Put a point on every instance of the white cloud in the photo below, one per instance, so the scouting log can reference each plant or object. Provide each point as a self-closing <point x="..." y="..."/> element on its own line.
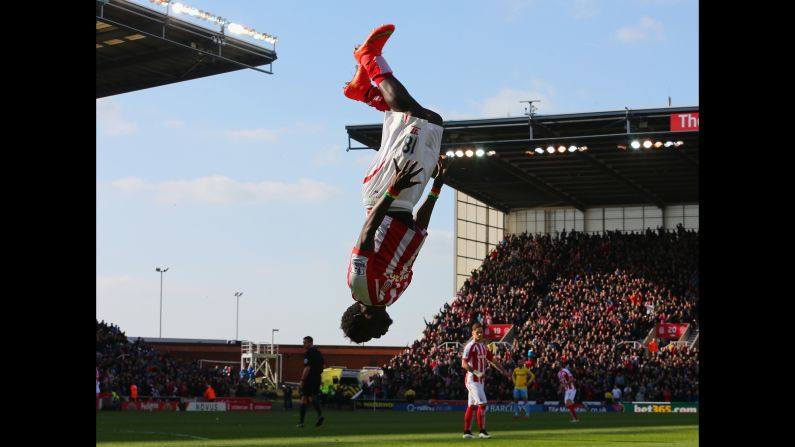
<point x="305" y="128"/>
<point x="218" y="189"/>
<point x="583" y="9"/>
<point x="516" y="8"/>
<point x="252" y="134"/>
<point x="647" y="29"/>
<point x="506" y="101"/>
<point x="328" y="157"/>
<point x="270" y="135"/>
<point x="455" y="115"/>
<point x="173" y="124"/>
<point x="110" y="121"/>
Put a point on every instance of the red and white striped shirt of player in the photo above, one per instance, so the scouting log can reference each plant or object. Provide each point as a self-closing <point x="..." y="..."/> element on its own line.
<point x="476" y="354"/>
<point x="566" y="379"/>
<point x="389" y="270"/>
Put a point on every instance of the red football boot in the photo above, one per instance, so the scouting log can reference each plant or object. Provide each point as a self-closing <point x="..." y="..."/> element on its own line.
<point x="374" y="43"/>
<point x="359" y="85"/>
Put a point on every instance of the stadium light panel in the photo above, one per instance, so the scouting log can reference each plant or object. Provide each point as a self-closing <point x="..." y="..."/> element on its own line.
<point x="450" y="153"/>
<point x="539" y="150"/>
<point x="679" y="143"/>
<point x="647" y="144"/>
<point x="635" y="144"/>
<point x="459" y="153"/>
<point x="572" y="148"/>
<point x="669" y="143"/>
<point x="234" y="28"/>
<point x="480" y="152"/>
<point x="658" y="144"/>
<point x="490" y="153"/>
<point x="469" y="152"/>
<point x="583" y="148"/>
<point x="551" y="149"/>
<point x="561" y="148"/>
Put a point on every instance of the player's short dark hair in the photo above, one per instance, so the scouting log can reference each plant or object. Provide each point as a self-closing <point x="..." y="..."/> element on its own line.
<point x="308" y="338"/>
<point x="359" y="329"/>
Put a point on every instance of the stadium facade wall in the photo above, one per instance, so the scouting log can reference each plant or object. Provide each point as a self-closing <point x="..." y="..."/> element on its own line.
<point x="479" y="228"/>
<point x="597" y="220"/>
<point x="354" y="357"/>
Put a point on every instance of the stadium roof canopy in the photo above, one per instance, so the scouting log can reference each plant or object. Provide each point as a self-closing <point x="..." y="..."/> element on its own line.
<point x="516" y="176"/>
<point x="139" y="47"/>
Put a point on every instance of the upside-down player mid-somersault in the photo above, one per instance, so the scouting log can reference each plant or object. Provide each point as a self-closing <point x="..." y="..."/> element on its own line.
<point x="380" y="267"/>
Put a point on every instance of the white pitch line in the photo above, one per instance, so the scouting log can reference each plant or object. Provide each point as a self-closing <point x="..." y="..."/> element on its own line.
<point x="160" y="433"/>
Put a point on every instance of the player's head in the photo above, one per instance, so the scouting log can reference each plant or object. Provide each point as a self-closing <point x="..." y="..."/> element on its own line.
<point x="477" y="332"/>
<point x="308" y="341"/>
<point x="361" y="323"/>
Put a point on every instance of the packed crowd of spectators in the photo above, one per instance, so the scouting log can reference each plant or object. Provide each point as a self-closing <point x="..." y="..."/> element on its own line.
<point x="122" y="363"/>
<point x="575" y="294"/>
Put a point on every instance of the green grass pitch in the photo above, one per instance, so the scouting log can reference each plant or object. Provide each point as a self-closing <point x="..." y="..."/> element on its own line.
<point x="388" y="428"/>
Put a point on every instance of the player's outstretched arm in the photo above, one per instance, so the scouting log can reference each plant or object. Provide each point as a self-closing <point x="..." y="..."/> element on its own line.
<point x="425" y="211"/>
<point x="400" y="181"/>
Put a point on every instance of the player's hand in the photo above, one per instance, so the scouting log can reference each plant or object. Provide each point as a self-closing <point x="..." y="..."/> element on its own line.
<point x="440" y="171"/>
<point x="403" y="176"/>
<point x="478" y="374"/>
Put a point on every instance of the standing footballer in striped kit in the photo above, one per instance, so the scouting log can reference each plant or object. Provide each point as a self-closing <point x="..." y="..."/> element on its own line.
<point x="474" y="360"/>
<point x="566" y="379"/>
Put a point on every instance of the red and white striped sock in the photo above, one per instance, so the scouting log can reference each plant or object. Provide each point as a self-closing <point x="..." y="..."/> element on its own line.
<point x="377" y="68"/>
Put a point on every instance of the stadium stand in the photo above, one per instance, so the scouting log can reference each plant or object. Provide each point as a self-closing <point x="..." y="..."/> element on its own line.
<point x="576" y="294"/>
<point x="156" y="373"/>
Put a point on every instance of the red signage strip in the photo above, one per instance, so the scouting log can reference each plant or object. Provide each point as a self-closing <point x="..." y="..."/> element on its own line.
<point x="262" y="406"/>
<point x="671" y="330"/>
<point x="496" y="331"/>
<point x="684" y="121"/>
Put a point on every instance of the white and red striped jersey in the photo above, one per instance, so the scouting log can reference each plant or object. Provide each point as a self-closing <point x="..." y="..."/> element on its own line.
<point x="404" y="137"/>
<point x="389" y="268"/>
<point x="566" y="379"/>
<point x="476" y="354"/>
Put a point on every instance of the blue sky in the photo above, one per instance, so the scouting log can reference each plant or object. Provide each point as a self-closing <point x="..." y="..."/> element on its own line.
<point x="241" y="181"/>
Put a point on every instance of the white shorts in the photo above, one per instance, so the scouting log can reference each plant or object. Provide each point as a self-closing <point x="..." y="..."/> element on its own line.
<point x="477" y="395"/>
<point x="405" y="138"/>
<point x="569" y="395"/>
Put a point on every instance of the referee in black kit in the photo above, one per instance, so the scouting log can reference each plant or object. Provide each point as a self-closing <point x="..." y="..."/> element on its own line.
<point x="310" y="380"/>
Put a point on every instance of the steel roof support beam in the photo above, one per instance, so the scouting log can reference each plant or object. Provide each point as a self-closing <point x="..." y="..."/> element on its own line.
<point x="684" y="157"/>
<point x="109" y="64"/>
<point x="491" y="202"/>
<point x="648" y="195"/>
<point x="535" y="181"/>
